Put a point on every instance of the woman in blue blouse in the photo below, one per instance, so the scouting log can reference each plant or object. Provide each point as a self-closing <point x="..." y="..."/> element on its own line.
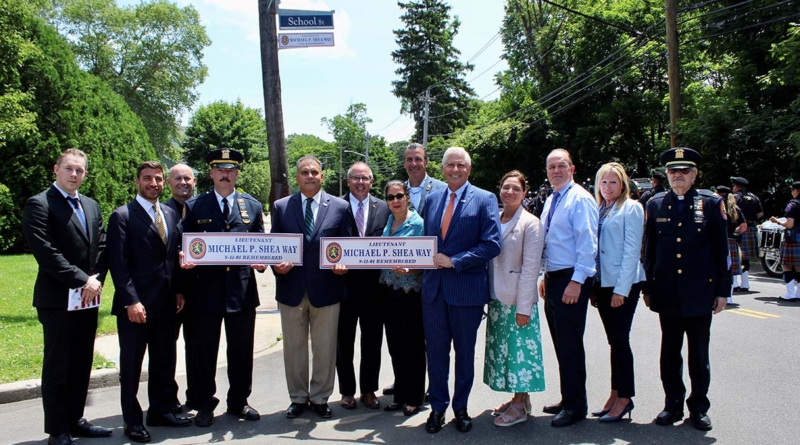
<point x="403" y="308"/>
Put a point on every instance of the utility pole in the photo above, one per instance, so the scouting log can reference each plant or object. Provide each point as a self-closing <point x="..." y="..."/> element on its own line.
<point x="341" y="150"/>
<point x="425" y="121"/>
<point x="366" y="150"/>
<point x="273" y="107"/>
<point x="673" y="71"/>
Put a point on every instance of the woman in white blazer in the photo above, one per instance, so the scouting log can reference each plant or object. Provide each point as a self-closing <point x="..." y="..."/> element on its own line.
<point x="618" y="281"/>
<point x="513" y="360"/>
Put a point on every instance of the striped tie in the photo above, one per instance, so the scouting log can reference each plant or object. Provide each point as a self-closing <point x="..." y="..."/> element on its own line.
<point x="448" y="215"/>
<point x="360" y="219"/>
<point x="309" y="219"/>
<point x="162" y="229"/>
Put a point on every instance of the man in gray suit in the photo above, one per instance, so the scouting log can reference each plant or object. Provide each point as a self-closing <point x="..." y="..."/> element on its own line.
<point x="419" y="183"/>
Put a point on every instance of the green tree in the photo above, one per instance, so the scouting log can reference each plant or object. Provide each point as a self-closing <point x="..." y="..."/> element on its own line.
<point x="428" y="59"/>
<point x="150" y="53"/>
<point x="72" y="109"/>
<point x="223" y="124"/>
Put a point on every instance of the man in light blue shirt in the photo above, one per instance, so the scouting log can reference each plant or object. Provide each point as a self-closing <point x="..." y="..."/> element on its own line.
<point x="570" y="223"/>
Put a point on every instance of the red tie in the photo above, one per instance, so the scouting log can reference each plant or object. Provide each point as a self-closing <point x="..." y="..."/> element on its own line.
<point x="448" y="215"/>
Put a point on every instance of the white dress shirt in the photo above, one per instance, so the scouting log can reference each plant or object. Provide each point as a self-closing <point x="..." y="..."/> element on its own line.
<point x="148" y="207"/>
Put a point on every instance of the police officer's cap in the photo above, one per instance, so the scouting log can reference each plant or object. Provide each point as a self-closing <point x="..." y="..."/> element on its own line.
<point x="680" y="157"/>
<point x="738" y="180"/>
<point x="796" y="185"/>
<point x="224" y="158"/>
<point x="723" y="189"/>
<point x="658" y="175"/>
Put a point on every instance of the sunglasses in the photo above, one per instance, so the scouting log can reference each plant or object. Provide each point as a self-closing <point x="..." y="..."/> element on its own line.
<point x="393" y="197"/>
<point x="684" y="170"/>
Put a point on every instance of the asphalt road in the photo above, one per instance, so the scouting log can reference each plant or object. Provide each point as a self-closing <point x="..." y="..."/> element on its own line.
<point x="754" y="394"/>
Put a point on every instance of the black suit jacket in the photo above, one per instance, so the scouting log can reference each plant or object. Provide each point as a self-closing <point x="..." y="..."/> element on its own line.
<point x="67" y="256"/>
<point x="366" y="281"/>
<point x="220" y="288"/>
<point x="141" y="265"/>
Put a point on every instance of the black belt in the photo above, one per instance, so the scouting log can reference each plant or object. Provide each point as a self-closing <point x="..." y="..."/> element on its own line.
<point x="559" y="273"/>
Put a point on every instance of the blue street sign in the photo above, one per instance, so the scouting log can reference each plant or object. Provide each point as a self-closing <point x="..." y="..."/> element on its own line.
<point x="306" y="21"/>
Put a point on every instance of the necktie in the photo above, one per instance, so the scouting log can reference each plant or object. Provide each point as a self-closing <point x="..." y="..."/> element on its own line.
<point x="360" y="218"/>
<point x="162" y="229"/>
<point x="553" y="205"/>
<point x="76" y="204"/>
<point x="448" y="215"/>
<point x="309" y="220"/>
<point x="226" y="211"/>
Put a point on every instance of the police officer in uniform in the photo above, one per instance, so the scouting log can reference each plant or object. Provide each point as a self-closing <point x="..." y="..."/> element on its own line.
<point x="751" y="207"/>
<point x="217" y="294"/>
<point x="657" y="180"/>
<point x="688" y="279"/>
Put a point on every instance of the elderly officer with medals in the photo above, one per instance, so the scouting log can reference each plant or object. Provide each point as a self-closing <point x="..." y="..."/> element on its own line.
<point x="217" y="294"/>
<point x="688" y="279"/>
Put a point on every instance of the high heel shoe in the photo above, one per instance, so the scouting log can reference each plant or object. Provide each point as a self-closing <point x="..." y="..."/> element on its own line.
<point x="611" y="419"/>
<point x="600" y="412"/>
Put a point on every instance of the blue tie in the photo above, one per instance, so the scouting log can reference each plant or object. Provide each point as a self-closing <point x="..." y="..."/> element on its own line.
<point x="309" y="219"/>
<point x="553" y="204"/>
<point x="76" y="203"/>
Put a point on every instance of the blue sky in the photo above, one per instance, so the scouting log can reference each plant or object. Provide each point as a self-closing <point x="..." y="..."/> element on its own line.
<point x="322" y="82"/>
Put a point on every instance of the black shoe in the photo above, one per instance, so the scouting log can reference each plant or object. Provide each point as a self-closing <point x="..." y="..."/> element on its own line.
<point x="61" y="439"/>
<point x="613" y="419"/>
<point x="463" y="421"/>
<point x="408" y="412"/>
<point x="701" y="421"/>
<point x="552" y="409"/>
<point x="668" y="417"/>
<point x="744" y="289"/>
<point x="737" y="289"/>
<point x="189" y="406"/>
<point x="322" y="410"/>
<point x="389" y="390"/>
<point x="567" y="418"/>
<point x="137" y="433"/>
<point x="392" y="407"/>
<point x="85" y="429"/>
<point x="435" y="422"/>
<point x="427" y="398"/>
<point x="177" y="409"/>
<point x="246" y="413"/>
<point x="295" y="409"/>
<point x="167" y="419"/>
<point x="204" y="418"/>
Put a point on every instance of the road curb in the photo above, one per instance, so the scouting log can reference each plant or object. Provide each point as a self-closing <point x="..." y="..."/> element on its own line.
<point x="32" y="389"/>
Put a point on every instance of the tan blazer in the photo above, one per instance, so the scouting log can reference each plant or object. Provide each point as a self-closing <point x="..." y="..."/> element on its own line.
<point x="514" y="272"/>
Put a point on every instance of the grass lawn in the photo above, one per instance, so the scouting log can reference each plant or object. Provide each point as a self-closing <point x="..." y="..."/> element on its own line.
<point x="20" y="332"/>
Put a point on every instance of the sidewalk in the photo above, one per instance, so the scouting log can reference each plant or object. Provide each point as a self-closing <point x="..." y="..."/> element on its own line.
<point x="267" y="340"/>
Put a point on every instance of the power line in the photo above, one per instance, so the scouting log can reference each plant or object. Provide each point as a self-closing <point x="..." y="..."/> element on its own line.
<point x="629" y="31"/>
<point x="465" y="107"/>
<point x="753" y="25"/>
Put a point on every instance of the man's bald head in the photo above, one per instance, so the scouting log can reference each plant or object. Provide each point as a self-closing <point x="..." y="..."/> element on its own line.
<point x="181" y="181"/>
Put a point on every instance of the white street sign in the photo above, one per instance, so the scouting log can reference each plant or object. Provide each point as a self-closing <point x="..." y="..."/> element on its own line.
<point x="287" y="41"/>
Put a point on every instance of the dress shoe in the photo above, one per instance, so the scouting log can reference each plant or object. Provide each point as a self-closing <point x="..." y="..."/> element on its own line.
<point x="668" y="417"/>
<point x="322" y="410"/>
<point x="295" y="409"/>
<point x="409" y="411"/>
<point x="612" y="419"/>
<point x="167" y="419"/>
<point x="567" y="418"/>
<point x="701" y="421"/>
<point x="348" y="402"/>
<point x="137" y="433"/>
<point x="177" y="409"/>
<point x="392" y="407"/>
<point x="85" y="429"/>
<point x="204" y="418"/>
<point x="552" y="409"/>
<point x="737" y="289"/>
<point x="389" y="390"/>
<point x="435" y="422"/>
<point x="61" y="439"/>
<point x="600" y="412"/>
<point x="370" y="401"/>
<point x="463" y="421"/>
<point x="246" y="412"/>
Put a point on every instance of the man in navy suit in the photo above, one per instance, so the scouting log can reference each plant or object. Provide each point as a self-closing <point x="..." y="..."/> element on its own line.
<point x="64" y="231"/>
<point x="142" y="253"/>
<point x="309" y="297"/>
<point x="466" y="221"/>
<point x="217" y="294"/>
<point x="364" y="303"/>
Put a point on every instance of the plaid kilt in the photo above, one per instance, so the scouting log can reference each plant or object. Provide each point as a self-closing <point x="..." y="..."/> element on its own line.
<point x="749" y="243"/>
<point x="790" y="254"/>
<point x="736" y="259"/>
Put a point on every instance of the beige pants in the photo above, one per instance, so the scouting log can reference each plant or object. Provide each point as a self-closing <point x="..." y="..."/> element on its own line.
<point x="323" y="323"/>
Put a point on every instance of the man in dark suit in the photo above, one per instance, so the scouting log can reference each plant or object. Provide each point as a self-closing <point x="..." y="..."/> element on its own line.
<point x="363" y="304"/>
<point x="64" y="231"/>
<point x="466" y="221"/>
<point x="688" y="279"/>
<point x="309" y="297"/>
<point x="142" y="254"/>
<point x="420" y="185"/>
<point x="217" y="294"/>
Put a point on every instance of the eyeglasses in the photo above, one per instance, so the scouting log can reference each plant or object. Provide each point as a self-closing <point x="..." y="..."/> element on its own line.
<point x="684" y="170"/>
<point x="397" y="196"/>
<point x="360" y="178"/>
